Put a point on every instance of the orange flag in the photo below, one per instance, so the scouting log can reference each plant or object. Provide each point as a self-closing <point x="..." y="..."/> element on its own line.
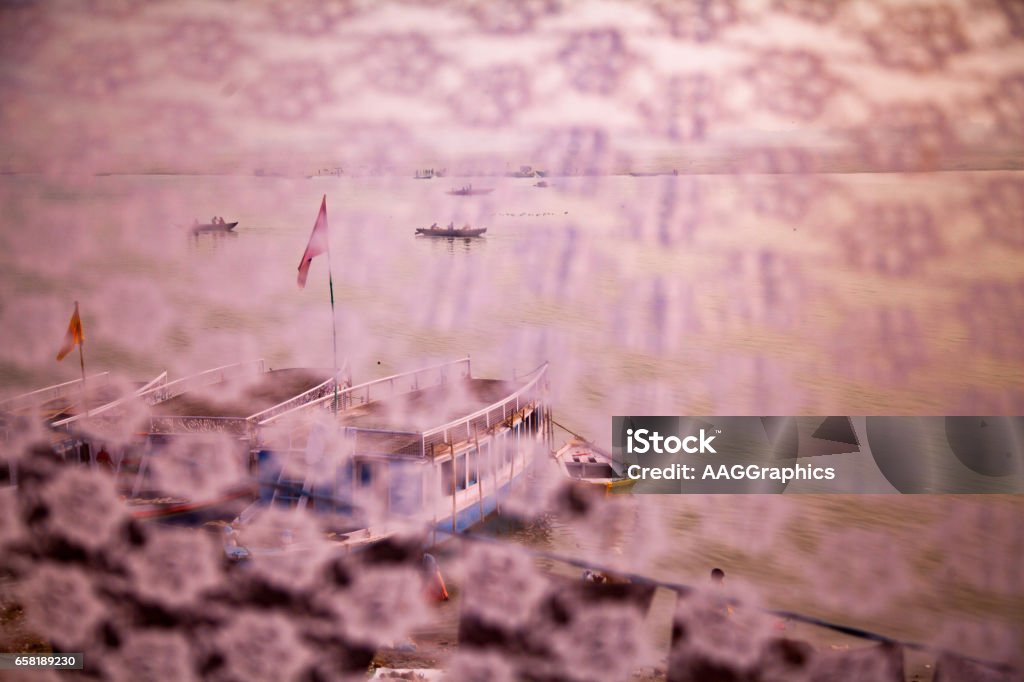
<point x="317" y="243"/>
<point x="74" y="337"/>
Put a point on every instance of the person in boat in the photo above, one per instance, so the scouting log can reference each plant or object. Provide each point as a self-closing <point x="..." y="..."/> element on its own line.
<point x="466" y="227"/>
<point x="434" y="226"/>
<point x="451" y="225"/>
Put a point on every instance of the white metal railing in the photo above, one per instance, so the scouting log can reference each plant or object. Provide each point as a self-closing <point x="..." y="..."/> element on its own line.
<point x="381" y="389"/>
<point x="45" y="395"/>
<point x="492" y="415"/>
<point x="384" y="442"/>
<point x="312" y="395"/>
<point x="159" y="394"/>
<point x="156" y="383"/>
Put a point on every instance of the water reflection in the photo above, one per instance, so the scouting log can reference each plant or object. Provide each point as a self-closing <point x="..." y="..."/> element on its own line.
<point x="453" y="245"/>
<point x="210" y="242"/>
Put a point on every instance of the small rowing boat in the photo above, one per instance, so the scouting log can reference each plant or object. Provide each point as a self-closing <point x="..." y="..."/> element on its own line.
<point x="583" y="461"/>
<point x="213" y="227"/>
<point x="450" y="231"/>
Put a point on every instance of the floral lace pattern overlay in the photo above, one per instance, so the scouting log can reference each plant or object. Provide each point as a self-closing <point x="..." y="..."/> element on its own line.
<point x="768" y="120"/>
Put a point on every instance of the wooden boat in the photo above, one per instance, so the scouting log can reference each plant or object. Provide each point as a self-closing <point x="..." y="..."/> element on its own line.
<point x="583" y="461"/>
<point x="469" y="191"/>
<point x="447" y="462"/>
<point x="216" y="413"/>
<point x="65" y="403"/>
<point x="451" y="232"/>
<point x="213" y="227"/>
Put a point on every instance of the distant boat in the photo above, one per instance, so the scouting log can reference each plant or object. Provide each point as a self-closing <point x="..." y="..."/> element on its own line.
<point x="468" y="190"/>
<point x="451" y="231"/>
<point x="542" y="183"/>
<point x="213" y="227"/>
<point x="583" y="461"/>
<point x="525" y="172"/>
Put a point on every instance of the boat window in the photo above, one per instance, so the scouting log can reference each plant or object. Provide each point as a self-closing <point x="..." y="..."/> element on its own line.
<point x="486" y="457"/>
<point x="364" y="474"/>
<point x="446" y="478"/>
<point x="473" y="460"/>
<point x="460" y="472"/>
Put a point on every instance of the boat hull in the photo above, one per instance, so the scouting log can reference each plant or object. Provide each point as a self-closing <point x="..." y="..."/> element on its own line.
<point x="583" y="462"/>
<point x="427" y="232"/>
<point x="211" y="227"/>
<point x="193" y="513"/>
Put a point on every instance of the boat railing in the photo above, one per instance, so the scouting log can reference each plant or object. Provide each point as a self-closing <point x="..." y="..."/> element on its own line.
<point x="157" y="383"/>
<point x="387" y="387"/>
<point x="481" y="421"/>
<point x="159" y="394"/>
<point x="45" y="395"/>
<point x="326" y="389"/>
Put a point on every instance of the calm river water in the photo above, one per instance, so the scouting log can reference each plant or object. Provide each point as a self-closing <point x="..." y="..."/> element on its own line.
<point x="824" y="294"/>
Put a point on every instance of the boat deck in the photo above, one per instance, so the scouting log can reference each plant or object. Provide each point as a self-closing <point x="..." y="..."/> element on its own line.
<point x="71" y="405"/>
<point x="430" y="407"/>
<point x="242" y="397"/>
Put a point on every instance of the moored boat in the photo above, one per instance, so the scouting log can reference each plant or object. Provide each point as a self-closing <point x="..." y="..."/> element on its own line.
<point x="436" y="449"/>
<point x="583" y="461"/>
<point x="64" y="403"/>
<point x="207" y="420"/>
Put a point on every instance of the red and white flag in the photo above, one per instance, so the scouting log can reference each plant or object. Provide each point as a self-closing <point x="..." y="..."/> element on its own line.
<point x="317" y="243"/>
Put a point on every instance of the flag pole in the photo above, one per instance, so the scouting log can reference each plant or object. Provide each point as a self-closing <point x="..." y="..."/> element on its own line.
<point x="334" y="329"/>
<point x="334" y="321"/>
<point x="81" y="363"/>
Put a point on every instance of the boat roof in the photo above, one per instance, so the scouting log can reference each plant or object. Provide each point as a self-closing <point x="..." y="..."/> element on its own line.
<point x="65" y="402"/>
<point x="242" y="396"/>
<point x="428" y="407"/>
<point x="444" y="406"/>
